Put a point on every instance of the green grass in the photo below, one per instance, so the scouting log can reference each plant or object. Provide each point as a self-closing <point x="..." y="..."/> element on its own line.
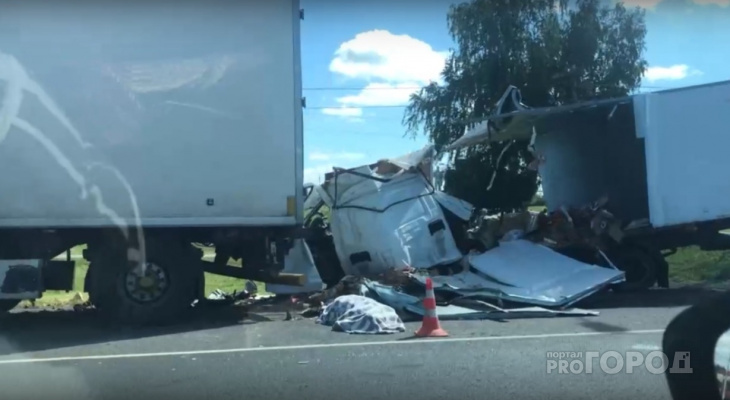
<point x="692" y="265"/>
<point x="57" y="298"/>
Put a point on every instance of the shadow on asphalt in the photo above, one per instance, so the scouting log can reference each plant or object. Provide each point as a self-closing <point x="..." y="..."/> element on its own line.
<point x="655" y="298"/>
<point x="598" y="326"/>
<point x="33" y="331"/>
<point x="38" y="330"/>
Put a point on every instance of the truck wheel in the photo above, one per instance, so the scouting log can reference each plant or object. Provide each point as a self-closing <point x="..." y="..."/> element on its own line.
<point x="638" y="264"/>
<point x="159" y="292"/>
<point x="7" y="305"/>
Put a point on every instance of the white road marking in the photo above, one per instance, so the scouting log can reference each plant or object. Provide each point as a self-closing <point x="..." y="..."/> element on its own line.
<point x="647" y="347"/>
<point x="321" y="346"/>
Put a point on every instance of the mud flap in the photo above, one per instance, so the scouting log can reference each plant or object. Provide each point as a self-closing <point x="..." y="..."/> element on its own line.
<point x="299" y="261"/>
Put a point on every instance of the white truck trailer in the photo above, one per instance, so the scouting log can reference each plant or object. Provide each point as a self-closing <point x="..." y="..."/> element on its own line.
<point x="660" y="158"/>
<point x="142" y="130"/>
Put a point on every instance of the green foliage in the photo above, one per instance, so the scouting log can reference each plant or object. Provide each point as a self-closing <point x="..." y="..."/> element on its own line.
<point x="554" y="54"/>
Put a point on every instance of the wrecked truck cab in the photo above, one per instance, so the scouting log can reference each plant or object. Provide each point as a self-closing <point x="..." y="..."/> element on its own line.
<point x="388" y="215"/>
<point x="635" y="151"/>
<point x="387" y="222"/>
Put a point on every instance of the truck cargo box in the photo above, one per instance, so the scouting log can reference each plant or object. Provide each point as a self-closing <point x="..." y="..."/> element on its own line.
<point x="183" y="113"/>
<point x="659" y="157"/>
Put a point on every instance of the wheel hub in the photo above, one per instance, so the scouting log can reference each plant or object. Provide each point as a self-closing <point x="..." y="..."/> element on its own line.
<point x="146" y="283"/>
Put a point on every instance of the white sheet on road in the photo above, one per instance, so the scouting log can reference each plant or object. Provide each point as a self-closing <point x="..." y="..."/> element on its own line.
<point x="360" y="314"/>
<point x="525" y="272"/>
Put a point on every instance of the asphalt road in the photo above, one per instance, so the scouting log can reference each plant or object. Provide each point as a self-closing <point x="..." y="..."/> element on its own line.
<point x="62" y="355"/>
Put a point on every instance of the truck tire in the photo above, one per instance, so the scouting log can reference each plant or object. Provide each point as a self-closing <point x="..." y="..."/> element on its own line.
<point x="7" y="305"/>
<point x="638" y="263"/>
<point x="159" y="294"/>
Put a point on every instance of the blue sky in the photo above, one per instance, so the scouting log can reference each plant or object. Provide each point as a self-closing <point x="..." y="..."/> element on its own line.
<point x="355" y="105"/>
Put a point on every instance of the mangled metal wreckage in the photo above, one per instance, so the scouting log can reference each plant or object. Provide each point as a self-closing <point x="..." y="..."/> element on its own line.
<point x="608" y="170"/>
<point x="389" y="216"/>
<point x="644" y="173"/>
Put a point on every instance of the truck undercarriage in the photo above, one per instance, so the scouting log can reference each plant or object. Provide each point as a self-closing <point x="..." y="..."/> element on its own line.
<point x="160" y="288"/>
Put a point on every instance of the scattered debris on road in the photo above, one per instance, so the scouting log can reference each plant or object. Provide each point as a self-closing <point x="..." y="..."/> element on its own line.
<point x="381" y="230"/>
<point x="385" y="228"/>
<point x="249" y="290"/>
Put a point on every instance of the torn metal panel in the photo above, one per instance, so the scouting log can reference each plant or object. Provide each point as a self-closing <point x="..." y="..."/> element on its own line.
<point x="398" y="225"/>
<point x="388" y="216"/>
<point x="518" y="124"/>
<point x="421" y="159"/>
<point x="590" y="157"/>
<point x="575" y="148"/>
<point x="458" y="207"/>
<point x="453" y="312"/>
<point x="388" y="295"/>
<point x="525" y="272"/>
<point x="461" y="308"/>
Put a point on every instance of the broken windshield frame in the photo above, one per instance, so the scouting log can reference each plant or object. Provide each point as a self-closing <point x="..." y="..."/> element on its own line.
<point x="341" y="171"/>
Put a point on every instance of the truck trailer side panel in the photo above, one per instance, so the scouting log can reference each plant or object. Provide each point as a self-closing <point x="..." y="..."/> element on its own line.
<point x="183" y="113"/>
<point x="687" y="137"/>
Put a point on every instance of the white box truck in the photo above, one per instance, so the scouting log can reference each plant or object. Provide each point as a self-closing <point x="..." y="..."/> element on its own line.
<point x="660" y="159"/>
<point x="141" y="130"/>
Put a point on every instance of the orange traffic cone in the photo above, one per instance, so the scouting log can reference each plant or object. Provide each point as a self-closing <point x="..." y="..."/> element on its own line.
<point x="431" y="327"/>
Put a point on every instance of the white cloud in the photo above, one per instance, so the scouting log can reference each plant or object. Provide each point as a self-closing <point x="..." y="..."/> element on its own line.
<point x="346" y="112"/>
<point x="381" y="94"/>
<point x="379" y="54"/>
<point x="340" y="156"/>
<point x="672" y="73"/>
<point x="393" y="65"/>
<point x="316" y="173"/>
<point x="317" y="156"/>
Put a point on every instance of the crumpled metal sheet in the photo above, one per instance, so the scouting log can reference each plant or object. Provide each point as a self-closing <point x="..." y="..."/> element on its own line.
<point x="460" y="309"/>
<point x="525" y="272"/>
<point x="515" y="121"/>
<point x="381" y="223"/>
<point x="454" y="312"/>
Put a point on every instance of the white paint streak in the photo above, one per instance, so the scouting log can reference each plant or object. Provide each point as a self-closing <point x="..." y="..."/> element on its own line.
<point x="322" y="346"/>
<point x="18" y="80"/>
